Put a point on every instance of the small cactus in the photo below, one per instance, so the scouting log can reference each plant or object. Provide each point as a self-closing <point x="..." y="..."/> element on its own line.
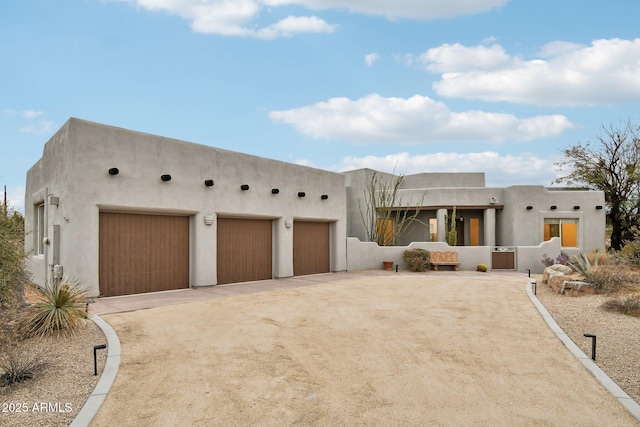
<point x="482" y="267"/>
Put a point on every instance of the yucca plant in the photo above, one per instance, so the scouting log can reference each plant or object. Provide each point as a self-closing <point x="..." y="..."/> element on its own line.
<point x="61" y="307"/>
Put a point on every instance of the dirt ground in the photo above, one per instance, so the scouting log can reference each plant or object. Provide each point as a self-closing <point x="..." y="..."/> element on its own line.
<point x="401" y="349"/>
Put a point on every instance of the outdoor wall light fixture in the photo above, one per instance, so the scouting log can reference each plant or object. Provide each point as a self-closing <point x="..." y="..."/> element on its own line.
<point x="554" y="207"/>
<point x="208" y="182"/>
<point x="576" y="207"/>
<point x="244" y="187"/>
<point x="599" y="207"/>
<point x="274" y="191"/>
<point x="114" y="171"/>
<point x="529" y="207"/>
<point x="166" y="177"/>
<point x="301" y="194"/>
<point x="208" y="219"/>
<point x="324" y="197"/>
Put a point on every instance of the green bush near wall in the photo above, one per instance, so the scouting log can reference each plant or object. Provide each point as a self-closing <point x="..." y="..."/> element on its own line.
<point x="416" y="259"/>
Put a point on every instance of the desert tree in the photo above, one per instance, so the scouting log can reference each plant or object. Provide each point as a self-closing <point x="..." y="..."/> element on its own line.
<point x="385" y="215"/>
<point x="612" y="165"/>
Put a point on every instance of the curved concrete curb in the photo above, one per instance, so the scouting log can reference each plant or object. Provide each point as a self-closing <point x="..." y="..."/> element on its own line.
<point x="608" y="383"/>
<point x="91" y="407"/>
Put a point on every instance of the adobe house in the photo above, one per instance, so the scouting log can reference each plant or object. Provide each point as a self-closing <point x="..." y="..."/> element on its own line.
<point x="127" y="212"/>
<point x="505" y="221"/>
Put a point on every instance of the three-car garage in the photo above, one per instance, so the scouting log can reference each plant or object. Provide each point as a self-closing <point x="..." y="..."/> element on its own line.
<point x="141" y="253"/>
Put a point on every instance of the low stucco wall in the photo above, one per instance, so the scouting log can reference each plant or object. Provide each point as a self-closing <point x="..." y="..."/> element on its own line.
<point x="369" y="256"/>
<point x="530" y="257"/>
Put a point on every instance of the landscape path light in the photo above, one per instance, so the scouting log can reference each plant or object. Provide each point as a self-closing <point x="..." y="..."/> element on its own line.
<point x="593" y="345"/>
<point x="95" y="357"/>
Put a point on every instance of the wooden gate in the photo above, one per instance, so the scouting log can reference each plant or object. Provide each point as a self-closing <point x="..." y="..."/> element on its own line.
<point x="244" y="250"/>
<point x="311" y="254"/>
<point x="142" y="253"/>
<point x="505" y="260"/>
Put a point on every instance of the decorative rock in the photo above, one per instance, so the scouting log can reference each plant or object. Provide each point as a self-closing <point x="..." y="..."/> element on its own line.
<point x="554" y="270"/>
<point x="557" y="281"/>
<point x="578" y="288"/>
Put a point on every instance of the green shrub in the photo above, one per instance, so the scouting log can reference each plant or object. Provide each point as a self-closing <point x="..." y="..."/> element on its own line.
<point x="610" y="279"/>
<point x="629" y="305"/>
<point x="481" y="267"/>
<point x="13" y="274"/>
<point x="416" y="259"/>
<point x="61" y="307"/>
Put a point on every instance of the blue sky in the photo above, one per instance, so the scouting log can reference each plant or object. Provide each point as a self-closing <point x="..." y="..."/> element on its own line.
<point x="494" y="86"/>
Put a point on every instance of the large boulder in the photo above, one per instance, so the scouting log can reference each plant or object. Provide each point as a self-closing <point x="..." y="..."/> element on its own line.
<point x="555" y="269"/>
<point x="558" y="282"/>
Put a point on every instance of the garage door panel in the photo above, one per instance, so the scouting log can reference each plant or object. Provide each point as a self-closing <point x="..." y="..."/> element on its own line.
<point x="143" y="253"/>
<point x="244" y="250"/>
<point x="311" y="254"/>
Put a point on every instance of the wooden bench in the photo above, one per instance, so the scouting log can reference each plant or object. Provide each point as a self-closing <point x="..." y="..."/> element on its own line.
<point x="444" y="258"/>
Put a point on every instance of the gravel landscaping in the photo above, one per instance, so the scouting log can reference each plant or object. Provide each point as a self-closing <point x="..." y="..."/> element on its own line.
<point x="618" y="335"/>
<point x="58" y="393"/>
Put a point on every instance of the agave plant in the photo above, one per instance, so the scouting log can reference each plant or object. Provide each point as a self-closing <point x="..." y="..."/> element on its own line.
<point x="581" y="263"/>
<point x="61" y="307"/>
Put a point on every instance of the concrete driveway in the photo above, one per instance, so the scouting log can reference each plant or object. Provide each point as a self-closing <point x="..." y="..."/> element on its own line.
<point x="378" y="348"/>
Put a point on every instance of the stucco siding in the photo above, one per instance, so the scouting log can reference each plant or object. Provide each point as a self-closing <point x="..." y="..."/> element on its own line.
<point x="75" y="165"/>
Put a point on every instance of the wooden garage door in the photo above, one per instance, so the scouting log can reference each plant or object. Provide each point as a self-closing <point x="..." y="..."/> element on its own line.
<point x="310" y="248"/>
<point x="243" y="250"/>
<point x="143" y="253"/>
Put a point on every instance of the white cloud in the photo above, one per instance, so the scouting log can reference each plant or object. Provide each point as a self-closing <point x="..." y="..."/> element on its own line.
<point x="234" y="18"/>
<point x="568" y="74"/>
<point x="42" y="127"/>
<point x="394" y="9"/>
<point x="31" y="114"/>
<point x="370" y="58"/>
<point x="15" y="198"/>
<point x="294" y="25"/>
<point x="454" y="57"/>
<point x="415" y="120"/>
<point x="500" y="170"/>
<point x="559" y="48"/>
<point x="237" y="17"/>
<point x="25" y="114"/>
